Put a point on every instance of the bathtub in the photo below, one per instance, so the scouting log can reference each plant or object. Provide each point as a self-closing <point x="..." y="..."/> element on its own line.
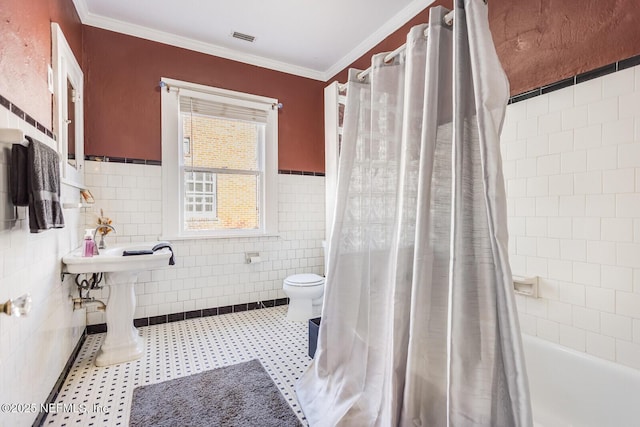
<point x="570" y="388"/>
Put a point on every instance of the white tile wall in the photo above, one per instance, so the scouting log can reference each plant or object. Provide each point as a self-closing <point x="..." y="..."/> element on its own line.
<point x="572" y="170"/>
<point x="34" y="348"/>
<point x="208" y="272"/>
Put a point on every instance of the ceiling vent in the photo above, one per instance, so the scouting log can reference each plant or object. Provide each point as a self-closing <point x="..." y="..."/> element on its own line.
<point x="241" y="36"/>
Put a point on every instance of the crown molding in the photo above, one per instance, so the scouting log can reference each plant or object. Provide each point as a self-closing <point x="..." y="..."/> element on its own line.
<point x="398" y="20"/>
<point x="146" y="33"/>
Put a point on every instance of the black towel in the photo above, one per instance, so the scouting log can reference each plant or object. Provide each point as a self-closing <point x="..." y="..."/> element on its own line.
<point x="43" y="177"/>
<point x="18" y="175"/>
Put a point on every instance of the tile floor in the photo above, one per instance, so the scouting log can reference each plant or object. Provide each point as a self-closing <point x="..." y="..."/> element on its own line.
<point x="184" y="348"/>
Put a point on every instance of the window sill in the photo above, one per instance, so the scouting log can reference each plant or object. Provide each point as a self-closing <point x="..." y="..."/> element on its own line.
<point x="218" y="236"/>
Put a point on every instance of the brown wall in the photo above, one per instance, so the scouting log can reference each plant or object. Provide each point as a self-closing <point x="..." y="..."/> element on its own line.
<point x="544" y="41"/>
<point x="122" y="100"/>
<point x="25" y="50"/>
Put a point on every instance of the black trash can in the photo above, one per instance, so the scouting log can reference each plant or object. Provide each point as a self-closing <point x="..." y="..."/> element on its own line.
<point x="314" y="325"/>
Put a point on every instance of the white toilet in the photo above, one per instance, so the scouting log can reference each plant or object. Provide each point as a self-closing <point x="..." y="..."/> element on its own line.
<point x="305" y="292"/>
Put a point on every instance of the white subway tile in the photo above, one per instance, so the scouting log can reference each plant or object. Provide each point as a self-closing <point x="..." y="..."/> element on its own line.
<point x="538" y="146"/>
<point x="602" y="158"/>
<point x="601" y="299"/>
<point x="528" y="128"/>
<point x="573" y="337"/>
<point x="537" y="106"/>
<point x="536" y="307"/>
<point x="572" y="293"/>
<point x="628" y="205"/>
<point x="617" y="278"/>
<point x="560" y="228"/>
<point x="548" y="248"/>
<point x="616" y="326"/>
<point x="527" y="323"/>
<point x="587" y="137"/>
<point x="574" y="118"/>
<point x="561" y="142"/>
<point x="560" y="312"/>
<point x="617" y="229"/>
<point x="588" y="92"/>
<point x="586" y="273"/>
<point x="603" y="111"/>
<point x="636" y="230"/>
<point x="586" y="318"/>
<point x="601" y="346"/>
<point x="509" y="130"/>
<point x="516" y="150"/>
<point x="586" y="228"/>
<point x="509" y="169"/>
<point x="572" y="206"/>
<point x="628" y="254"/>
<point x="601" y="252"/>
<point x="517" y="226"/>
<point x="618" y="181"/>
<point x="550" y="123"/>
<point x="546" y="206"/>
<point x="636" y="331"/>
<point x="526" y="168"/>
<point x="588" y="182"/>
<point x="517" y="187"/>
<point x="536" y="266"/>
<point x="618" y="132"/>
<point x="561" y="185"/>
<point x="573" y="161"/>
<point x="536" y="227"/>
<point x="628" y="353"/>
<point x="517" y="112"/>
<point x="537" y="186"/>
<point x="562" y="99"/>
<point x="600" y="205"/>
<point x="548" y="165"/>
<point x="618" y="83"/>
<point x="560" y="270"/>
<point x="526" y="246"/>
<point x="629" y="155"/>
<point x="573" y="250"/>
<point x="629" y="104"/>
<point x="548" y="330"/>
<point x="628" y="304"/>
<point x="525" y="206"/>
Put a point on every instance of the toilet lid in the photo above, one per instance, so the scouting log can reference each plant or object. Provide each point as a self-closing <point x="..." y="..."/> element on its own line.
<point x="304" y="280"/>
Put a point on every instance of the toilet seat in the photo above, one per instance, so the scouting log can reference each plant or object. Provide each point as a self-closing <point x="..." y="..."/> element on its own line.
<point x="306" y="279"/>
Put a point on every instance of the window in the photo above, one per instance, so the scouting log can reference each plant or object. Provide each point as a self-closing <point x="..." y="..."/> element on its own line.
<point x="219" y="162"/>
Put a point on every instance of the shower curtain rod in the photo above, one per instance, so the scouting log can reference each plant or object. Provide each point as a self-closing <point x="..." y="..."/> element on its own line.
<point x="448" y="20"/>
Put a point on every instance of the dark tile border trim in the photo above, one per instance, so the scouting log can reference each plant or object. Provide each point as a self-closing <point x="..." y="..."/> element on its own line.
<point x="579" y="78"/>
<point x="26" y="117"/>
<point x="305" y="173"/>
<point x="42" y="416"/>
<point x="109" y="159"/>
<point x="194" y="314"/>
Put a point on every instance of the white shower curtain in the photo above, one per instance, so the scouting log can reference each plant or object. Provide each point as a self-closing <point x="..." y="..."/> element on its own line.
<point x="419" y="325"/>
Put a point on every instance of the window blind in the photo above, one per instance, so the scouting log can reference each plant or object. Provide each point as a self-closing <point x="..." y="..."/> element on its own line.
<point x="189" y="104"/>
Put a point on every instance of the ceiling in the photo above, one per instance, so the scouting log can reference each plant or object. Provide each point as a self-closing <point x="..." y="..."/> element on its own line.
<point x="314" y="39"/>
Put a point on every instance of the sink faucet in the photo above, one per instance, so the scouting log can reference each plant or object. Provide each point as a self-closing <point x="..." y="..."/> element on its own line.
<point x="102" y="245"/>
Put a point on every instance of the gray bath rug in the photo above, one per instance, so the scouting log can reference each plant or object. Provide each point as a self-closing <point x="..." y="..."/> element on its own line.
<point x="234" y="396"/>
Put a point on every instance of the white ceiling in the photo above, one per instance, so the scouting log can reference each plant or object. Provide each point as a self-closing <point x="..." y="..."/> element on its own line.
<point x="314" y="39"/>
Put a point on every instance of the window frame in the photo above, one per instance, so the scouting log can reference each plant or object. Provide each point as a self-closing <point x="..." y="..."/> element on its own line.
<point x="172" y="143"/>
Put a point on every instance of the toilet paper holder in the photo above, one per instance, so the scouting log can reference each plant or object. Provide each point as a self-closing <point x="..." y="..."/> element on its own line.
<point x="252" y="257"/>
<point x="527" y="286"/>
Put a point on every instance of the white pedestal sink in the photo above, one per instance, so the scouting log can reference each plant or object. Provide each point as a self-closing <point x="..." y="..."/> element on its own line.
<point x="123" y="343"/>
